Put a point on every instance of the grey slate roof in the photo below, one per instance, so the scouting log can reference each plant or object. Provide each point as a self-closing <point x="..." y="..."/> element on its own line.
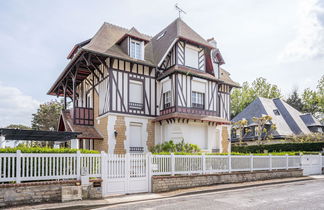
<point x="288" y="122"/>
<point x="310" y="120"/>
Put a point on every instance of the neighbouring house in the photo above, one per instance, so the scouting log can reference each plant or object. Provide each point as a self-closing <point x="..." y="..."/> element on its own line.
<point x="130" y="91"/>
<point x="287" y="119"/>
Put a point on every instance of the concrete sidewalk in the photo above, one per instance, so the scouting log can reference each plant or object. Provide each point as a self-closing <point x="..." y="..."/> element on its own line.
<point x="122" y="199"/>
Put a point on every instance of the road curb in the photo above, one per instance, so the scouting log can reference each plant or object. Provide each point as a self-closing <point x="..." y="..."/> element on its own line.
<point x="180" y="194"/>
<point x="214" y="190"/>
<point x="240" y="187"/>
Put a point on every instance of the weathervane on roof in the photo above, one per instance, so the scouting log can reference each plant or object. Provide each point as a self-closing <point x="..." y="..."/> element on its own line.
<point x="179" y="10"/>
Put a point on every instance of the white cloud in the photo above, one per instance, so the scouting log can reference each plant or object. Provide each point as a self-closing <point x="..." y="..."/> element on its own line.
<point x="15" y="107"/>
<point x="309" y="42"/>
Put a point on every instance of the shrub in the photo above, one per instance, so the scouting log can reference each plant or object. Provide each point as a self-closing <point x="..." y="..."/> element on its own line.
<point x="24" y="149"/>
<point x="237" y="153"/>
<point x="171" y="147"/>
<point x="287" y="147"/>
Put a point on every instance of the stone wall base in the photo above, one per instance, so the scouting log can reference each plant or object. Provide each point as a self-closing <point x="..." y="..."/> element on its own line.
<point x="169" y="183"/>
<point x="40" y="192"/>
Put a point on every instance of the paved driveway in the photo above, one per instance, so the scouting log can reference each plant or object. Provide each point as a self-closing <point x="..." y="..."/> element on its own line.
<point x="297" y="195"/>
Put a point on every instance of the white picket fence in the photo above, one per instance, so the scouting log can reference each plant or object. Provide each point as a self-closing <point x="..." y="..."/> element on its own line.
<point x="19" y="167"/>
<point x="204" y="164"/>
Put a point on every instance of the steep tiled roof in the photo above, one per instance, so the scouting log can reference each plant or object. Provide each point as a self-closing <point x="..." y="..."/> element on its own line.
<point x="87" y="132"/>
<point x="176" y="30"/>
<point x="105" y="42"/>
<point x="225" y="77"/>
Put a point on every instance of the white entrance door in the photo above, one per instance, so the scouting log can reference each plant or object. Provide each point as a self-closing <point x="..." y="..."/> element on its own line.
<point x="311" y="164"/>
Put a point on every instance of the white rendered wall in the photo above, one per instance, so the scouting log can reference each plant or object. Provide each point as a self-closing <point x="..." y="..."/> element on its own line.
<point x="129" y="120"/>
<point x="194" y="132"/>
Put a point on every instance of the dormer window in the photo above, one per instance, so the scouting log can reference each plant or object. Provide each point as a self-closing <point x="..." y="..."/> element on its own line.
<point x="191" y="56"/>
<point x="136" y="49"/>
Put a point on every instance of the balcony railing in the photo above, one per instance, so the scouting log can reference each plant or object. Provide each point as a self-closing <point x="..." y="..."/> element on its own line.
<point x="82" y="116"/>
<point x="188" y="110"/>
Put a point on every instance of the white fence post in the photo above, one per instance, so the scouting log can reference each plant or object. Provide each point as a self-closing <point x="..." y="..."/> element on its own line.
<point x="320" y="161"/>
<point x="149" y="170"/>
<point x="203" y="163"/>
<point x="18" y="166"/>
<point x="251" y="162"/>
<point x="104" y="172"/>
<point x="172" y="164"/>
<point x="127" y="171"/>
<point x="229" y="163"/>
<point x="78" y="164"/>
<point x="270" y="162"/>
<point x="287" y="162"/>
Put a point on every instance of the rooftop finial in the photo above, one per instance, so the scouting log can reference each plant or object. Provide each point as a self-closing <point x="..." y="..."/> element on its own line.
<point x="179" y="10"/>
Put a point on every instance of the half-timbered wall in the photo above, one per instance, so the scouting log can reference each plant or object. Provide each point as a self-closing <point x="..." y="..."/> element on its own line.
<point x="112" y="85"/>
<point x="120" y="75"/>
<point x="181" y="55"/>
<point x="170" y="59"/>
<point x="224" y="101"/>
<point x="187" y="84"/>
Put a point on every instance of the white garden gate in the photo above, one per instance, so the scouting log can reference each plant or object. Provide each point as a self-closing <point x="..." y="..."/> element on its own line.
<point x="123" y="174"/>
<point x="311" y="164"/>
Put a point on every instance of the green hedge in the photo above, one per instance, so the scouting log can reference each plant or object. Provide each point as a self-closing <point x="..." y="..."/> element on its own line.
<point x="237" y="153"/>
<point x="45" y="150"/>
<point x="287" y="147"/>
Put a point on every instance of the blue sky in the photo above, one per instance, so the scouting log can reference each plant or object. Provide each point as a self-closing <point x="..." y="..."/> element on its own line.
<point x="282" y="41"/>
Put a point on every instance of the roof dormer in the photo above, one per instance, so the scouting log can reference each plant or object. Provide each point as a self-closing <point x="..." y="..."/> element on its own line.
<point x="133" y="42"/>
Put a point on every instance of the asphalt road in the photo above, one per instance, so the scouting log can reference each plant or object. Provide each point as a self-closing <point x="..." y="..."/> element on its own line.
<point x="297" y="195"/>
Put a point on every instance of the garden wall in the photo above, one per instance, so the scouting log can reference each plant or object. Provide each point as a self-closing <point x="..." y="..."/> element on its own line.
<point x="169" y="183"/>
<point x="50" y="191"/>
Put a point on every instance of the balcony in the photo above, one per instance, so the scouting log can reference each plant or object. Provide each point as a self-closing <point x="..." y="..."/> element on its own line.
<point x="188" y="110"/>
<point x="82" y="116"/>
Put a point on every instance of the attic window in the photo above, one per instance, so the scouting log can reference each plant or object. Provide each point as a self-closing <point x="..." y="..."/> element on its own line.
<point x="161" y="35"/>
<point x="136" y="49"/>
<point x="276" y="112"/>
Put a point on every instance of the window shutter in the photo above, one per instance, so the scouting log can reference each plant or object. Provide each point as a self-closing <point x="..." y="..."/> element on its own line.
<point x="136" y="92"/>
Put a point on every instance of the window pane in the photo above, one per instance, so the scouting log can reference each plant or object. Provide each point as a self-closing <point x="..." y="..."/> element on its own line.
<point x="136" y="92"/>
<point x="197" y="100"/>
<point x="191" y="57"/>
<point x="133" y="49"/>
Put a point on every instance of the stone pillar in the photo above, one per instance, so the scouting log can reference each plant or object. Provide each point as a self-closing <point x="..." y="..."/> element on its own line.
<point x="74" y="143"/>
<point x="2" y="141"/>
<point x="226" y="144"/>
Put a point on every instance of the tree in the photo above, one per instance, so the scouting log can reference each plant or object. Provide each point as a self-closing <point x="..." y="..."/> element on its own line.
<point x="18" y="126"/>
<point x="242" y="97"/>
<point x="261" y="131"/>
<point x="241" y="127"/>
<point x="310" y="101"/>
<point x="47" y="116"/>
<point x="295" y="101"/>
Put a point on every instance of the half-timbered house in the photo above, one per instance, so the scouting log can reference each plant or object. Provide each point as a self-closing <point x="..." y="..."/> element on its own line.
<point x="130" y="91"/>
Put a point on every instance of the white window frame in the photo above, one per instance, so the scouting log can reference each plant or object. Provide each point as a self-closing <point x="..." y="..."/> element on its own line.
<point x="197" y="100"/>
<point x="188" y="58"/>
<point x="136" y="104"/>
<point x="136" y="52"/>
<point x="167" y="98"/>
